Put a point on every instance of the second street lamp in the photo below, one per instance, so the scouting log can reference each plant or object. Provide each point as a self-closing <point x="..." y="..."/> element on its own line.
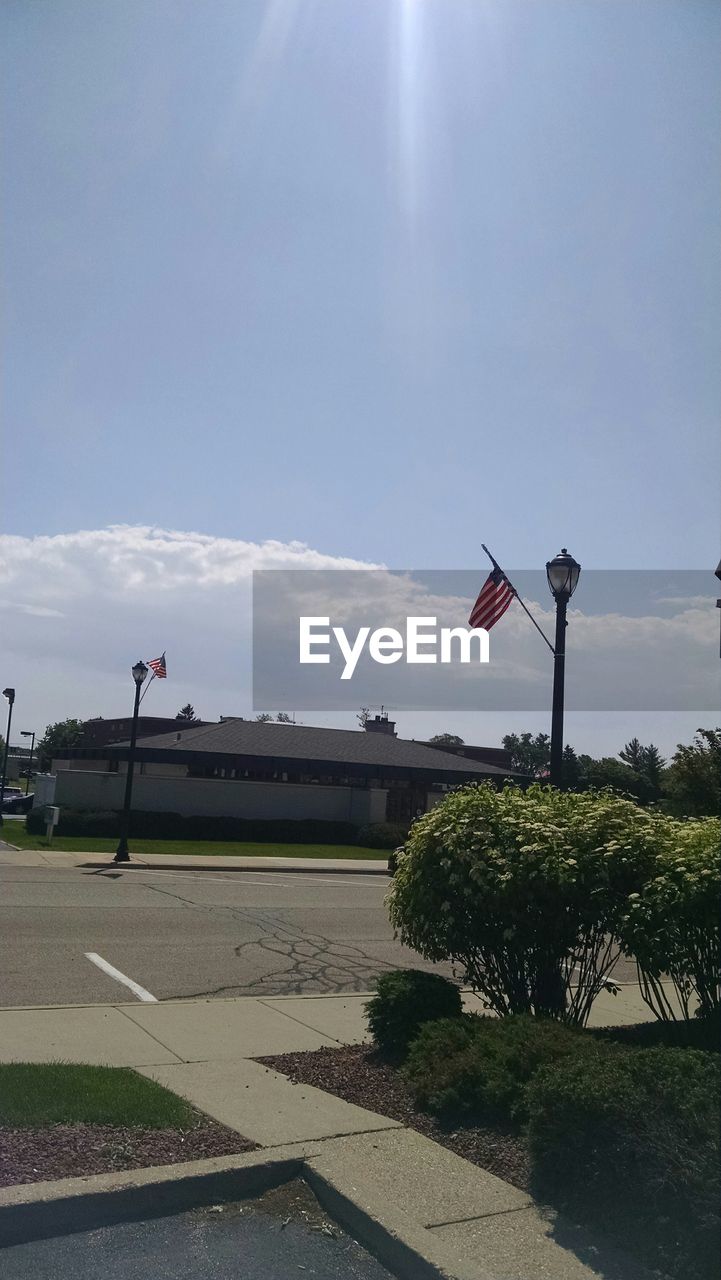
<point x="27" y="733"/>
<point x="140" y="671"/>
<point x="10" y="695"/>
<point x="562" y="573"/>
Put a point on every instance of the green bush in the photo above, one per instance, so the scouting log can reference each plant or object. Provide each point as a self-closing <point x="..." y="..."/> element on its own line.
<point x="523" y="890"/>
<point x="477" y="1068"/>
<point x="176" y="826"/>
<point x="405" y="999"/>
<point x="671" y="925"/>
<point x="632" y="1137"/>
<point x="382" y="835"/>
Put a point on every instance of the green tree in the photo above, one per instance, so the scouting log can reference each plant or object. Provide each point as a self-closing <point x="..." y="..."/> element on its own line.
<point x="647" y="763"/>
<point x="187" y="712"/>
<point x="528" y="754"/>
<point x="610" y="772"/>
<point x="363" y="716"/>
<point x="446" y="740"/>
<point x="264" y="717"/>
<point x="692" y="782"/>
<point x="573" y="777"/>
<point x="64" y="733"/>
<point x="283" y="718"/>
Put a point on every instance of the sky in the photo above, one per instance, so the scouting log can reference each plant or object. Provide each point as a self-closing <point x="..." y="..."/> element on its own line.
<point x="367" y="282"/>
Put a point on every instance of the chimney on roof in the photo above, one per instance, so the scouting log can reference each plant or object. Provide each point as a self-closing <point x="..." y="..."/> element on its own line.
<point x="381" y="724"/>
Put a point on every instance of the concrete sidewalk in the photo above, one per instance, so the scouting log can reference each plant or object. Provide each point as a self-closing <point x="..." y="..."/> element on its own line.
<point x="474" y="1225"/>
<point x="13" y="857"/>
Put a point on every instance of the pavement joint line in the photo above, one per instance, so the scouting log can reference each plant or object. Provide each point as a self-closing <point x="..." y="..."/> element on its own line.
<point x="300" y="1022"/>
<point x="123" y="1009"/>
<point x="481" y="1217"/>
<point x="146" y="996"/>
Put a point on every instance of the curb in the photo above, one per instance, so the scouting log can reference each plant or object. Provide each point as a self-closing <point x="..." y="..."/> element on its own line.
<point x="39" y="1211"/>
<point x="185" y="866"/>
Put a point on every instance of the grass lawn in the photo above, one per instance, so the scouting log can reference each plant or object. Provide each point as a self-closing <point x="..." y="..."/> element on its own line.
<point x="97" y="844"/>
<point x="58" y="1093"/>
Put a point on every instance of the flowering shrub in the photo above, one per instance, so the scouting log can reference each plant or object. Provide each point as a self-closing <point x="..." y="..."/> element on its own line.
<point x="671" y="925"/>
<point x="523" y="891"/>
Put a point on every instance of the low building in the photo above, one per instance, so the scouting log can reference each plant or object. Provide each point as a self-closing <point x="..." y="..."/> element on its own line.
<point x="251" y="769"/>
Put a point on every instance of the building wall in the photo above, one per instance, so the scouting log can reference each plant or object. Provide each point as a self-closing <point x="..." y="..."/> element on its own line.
<point x="89" y="789"/>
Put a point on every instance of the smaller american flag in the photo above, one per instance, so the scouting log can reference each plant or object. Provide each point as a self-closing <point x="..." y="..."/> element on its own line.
<point x="495" y="597"/>
<point x="158" y="667"/>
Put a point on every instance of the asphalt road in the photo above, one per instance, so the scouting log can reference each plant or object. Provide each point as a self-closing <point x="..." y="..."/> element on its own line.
<point x="282" y="1235"/>
<point x="181" y="934"/>
<point x="184" y="934"/>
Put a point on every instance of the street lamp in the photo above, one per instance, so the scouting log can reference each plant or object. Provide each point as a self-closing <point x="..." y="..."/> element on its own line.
<point x="140" y="671"/>
<point x="27" y="733"/>
<point x="562" y="573"/>
<point x="717" y="571"/>
<point x="10" y="695"/>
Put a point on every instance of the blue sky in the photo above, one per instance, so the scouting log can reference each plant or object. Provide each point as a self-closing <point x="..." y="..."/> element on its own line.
<point x="386" y="277"/>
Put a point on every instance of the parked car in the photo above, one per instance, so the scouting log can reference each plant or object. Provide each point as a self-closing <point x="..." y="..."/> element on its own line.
<point x="14" y="800"/>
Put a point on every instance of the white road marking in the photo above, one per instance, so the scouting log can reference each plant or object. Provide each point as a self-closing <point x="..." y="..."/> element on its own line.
<point x="112" y="972"/>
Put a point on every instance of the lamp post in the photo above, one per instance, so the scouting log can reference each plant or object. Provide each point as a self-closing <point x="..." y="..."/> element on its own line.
<point x="562" y="573"/>
<point x="27" y="733"/>
<point x="10" y="695"/>
<point x="717" y="571"/>
<point x="140" y="671"/>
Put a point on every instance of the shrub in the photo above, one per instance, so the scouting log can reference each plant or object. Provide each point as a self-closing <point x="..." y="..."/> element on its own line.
<point x="382" y="835"/>
<point x="631" y="1136"/>
<point x="477" y="1068"/>
<point x="405" y="999"/>
<point x="672" y="925"/>
<point x="523" y="890"/>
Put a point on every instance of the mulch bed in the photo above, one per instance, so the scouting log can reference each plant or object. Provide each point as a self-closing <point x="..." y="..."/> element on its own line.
<point x="357" y="1074"/>
<point x="76" y="1150"/>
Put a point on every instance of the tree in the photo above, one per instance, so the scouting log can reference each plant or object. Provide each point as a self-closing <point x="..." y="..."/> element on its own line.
<point x="446" y="740"/>
<point x="692" y="782"/>
<point x="64" y="733"/>
<point x="610" y="772"/>
<point x="573" y="779"/>
<point x="363" y="716"/>
<point x="283" y="718"/>
<point x="632" y="754"/>
<point x="647" y="762"/>
<point x="187" y="713"/>
<point x="264" y="717"/>
<point x="528" y="754"/>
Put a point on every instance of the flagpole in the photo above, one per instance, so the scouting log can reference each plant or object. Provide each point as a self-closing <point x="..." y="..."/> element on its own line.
<point x="497" y="566"/>
<point x="145" y="690"/>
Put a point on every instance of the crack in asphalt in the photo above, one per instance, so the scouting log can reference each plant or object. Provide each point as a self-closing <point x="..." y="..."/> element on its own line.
<point x="312" y="962"/>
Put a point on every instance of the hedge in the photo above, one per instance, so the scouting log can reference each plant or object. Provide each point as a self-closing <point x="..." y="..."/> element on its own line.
<point x="477" y="1069"/>
<point x="176" y="826"/>
<point x="630" y="1138"/>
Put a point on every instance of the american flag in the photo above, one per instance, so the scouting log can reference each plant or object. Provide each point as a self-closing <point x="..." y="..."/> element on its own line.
<point x="495" y="597"/>
<point x="158" y="667"/>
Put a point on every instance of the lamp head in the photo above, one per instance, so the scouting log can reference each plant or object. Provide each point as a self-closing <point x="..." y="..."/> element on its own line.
<point x="140" y="671"/>
<point x="563" y="573"/>
<point x="10" y="695"/>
